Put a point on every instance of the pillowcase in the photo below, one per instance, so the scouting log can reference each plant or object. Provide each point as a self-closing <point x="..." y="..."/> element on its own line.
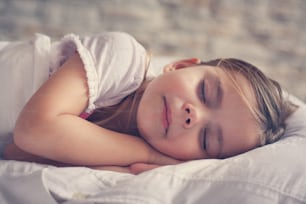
<point x="274" y="173"/>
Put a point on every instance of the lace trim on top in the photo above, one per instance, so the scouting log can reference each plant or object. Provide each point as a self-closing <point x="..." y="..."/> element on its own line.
<point x="89" y="66"/>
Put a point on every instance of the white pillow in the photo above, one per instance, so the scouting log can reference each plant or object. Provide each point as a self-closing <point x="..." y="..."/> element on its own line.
<point x="274" y="173"/>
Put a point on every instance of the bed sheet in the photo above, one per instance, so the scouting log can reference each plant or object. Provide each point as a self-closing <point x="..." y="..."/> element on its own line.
<point x="271" y="174"/>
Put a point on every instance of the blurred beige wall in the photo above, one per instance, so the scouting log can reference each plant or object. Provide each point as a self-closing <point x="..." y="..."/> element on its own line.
<point x="268" y="33"/>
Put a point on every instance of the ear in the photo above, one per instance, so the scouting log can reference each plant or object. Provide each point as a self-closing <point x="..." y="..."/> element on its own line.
<point x="181" y="64"/>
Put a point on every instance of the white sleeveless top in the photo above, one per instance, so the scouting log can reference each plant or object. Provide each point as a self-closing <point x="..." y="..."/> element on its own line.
<point x="114" y="62"/>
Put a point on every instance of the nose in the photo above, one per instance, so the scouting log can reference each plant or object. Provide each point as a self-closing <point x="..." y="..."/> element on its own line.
<point x="191" y="116"/>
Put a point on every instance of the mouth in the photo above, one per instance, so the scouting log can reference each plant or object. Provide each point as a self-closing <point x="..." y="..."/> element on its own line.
<point x="166" y="116"/>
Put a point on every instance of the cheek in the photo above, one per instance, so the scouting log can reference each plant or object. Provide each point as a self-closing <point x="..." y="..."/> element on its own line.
<point x="175" y="83"/>
<point x="148" y="120"/>
<point x="182" y="88"/>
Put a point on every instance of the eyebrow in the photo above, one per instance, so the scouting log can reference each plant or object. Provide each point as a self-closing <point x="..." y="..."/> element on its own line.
<point x="216" y="103"/>
<point x="219" y="92"/>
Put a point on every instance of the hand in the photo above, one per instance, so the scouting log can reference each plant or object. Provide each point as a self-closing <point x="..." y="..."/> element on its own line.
<point x="122" y="169"/>
<point x="136" y="168"/>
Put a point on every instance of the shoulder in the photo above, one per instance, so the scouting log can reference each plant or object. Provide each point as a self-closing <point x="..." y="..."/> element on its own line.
<point x="114" y="62"/>
<point x="120" y="42"/>
<point x="121" y="67"/>
<point x="113" y="48"/>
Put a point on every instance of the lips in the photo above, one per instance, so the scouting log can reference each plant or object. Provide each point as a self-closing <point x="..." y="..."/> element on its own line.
<point x="166" y="116"/>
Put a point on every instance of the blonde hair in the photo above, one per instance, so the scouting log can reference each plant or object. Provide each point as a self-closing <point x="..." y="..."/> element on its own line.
<point x="272" y="108"/>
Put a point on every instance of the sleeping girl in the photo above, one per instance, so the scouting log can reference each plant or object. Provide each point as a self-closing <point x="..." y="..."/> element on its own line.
<point x="87" y="101"/>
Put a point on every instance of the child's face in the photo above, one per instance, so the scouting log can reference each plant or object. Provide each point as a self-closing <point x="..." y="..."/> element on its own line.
<point x="183" y="117"/>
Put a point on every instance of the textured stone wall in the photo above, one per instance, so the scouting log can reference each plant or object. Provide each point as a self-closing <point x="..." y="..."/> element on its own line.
<point x="268" y="33"/>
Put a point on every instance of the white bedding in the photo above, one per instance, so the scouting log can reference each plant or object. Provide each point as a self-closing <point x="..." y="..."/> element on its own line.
<point x="274" y="173"/>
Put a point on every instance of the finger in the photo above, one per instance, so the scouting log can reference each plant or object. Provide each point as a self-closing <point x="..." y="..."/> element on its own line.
<point x="113" y="168"/>
<point x="138" y="168"/>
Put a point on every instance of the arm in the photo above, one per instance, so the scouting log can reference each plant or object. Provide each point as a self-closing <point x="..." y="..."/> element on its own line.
<point x="49" y="126"/>
<point x="15" y="153"/>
